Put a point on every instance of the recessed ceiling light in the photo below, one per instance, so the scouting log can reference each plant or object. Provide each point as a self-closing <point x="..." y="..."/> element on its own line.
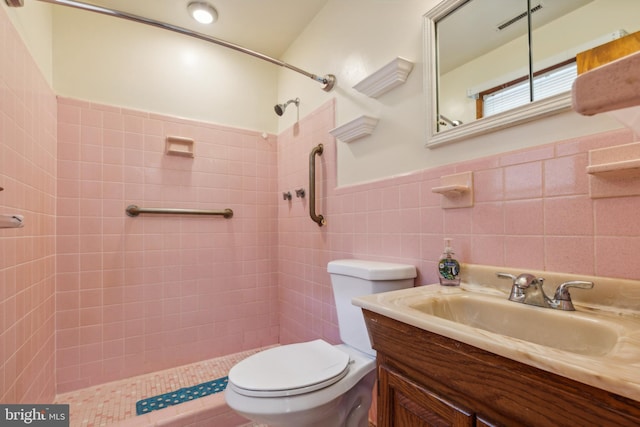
<point x="202" y="12"/>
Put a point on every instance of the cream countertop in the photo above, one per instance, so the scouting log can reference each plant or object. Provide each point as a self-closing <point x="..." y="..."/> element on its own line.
<point x="611" y="303"/>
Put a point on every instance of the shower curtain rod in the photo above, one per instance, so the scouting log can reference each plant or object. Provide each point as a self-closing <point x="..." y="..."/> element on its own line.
<point x="329" y="80"/>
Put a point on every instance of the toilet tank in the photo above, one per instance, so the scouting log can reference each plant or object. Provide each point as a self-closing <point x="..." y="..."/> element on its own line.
<point x="352" y="278"/>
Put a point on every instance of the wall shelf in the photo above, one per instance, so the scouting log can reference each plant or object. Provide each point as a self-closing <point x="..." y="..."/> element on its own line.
<point x="355" y="129"/>
<point x="457" y="190"/>
<point x="614" y="171"/>
<point x="451" y="190"/>
<point x="386" y="78"/>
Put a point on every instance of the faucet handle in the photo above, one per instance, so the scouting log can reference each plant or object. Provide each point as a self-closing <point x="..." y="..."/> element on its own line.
<point x="526" y="280"/>
<point x="522" y="281"/>
<point x="526" y="287"/>
<point x="562" y="293"/>
<point x="506" y="276"/>
<point x="516" y="291"/>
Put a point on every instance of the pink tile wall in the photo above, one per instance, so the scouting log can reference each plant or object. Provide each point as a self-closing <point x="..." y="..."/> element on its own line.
<point x="135" y="295"/>
<point x="532" y="210"/>
<point x="307" y="310"/>
<point x="27" y="255"/>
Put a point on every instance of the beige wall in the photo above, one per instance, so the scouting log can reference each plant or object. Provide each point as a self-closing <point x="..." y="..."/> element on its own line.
<point x="117" y="62"/>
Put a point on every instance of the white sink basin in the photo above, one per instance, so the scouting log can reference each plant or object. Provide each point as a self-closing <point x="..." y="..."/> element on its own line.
<point x="569" y="331"/>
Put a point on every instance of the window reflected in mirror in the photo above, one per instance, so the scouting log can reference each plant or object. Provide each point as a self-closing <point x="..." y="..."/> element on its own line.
<point x="491" y="58"/>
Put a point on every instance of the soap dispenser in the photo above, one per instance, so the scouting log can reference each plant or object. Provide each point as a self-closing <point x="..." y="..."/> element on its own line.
<point x="448" y="267"/>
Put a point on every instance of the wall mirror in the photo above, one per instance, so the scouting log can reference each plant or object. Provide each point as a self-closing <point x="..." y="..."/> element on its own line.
<point x="490" y="64"/>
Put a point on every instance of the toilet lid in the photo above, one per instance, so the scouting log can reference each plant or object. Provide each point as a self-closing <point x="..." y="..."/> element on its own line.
<point x="289" y="370"/>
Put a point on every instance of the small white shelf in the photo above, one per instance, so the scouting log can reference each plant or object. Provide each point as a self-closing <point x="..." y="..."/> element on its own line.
<point x="355" y="129"/>
<point x="386" y="78"/>
<point x="456" y="190"/>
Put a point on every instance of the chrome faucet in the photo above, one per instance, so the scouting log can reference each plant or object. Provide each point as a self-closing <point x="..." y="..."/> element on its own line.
<point x="527" y="289"/>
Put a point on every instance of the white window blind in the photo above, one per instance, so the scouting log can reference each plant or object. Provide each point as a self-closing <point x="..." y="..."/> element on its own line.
<point x="544" y="85"/>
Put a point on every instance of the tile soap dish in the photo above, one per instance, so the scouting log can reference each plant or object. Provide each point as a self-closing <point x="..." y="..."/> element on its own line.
<point x="457" y="190"/>
<point x="614" y="171"/>
<point x="179" y="146"/>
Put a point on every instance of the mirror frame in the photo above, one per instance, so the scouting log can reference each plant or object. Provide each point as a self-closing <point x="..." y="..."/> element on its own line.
<point x="532" y="111"/>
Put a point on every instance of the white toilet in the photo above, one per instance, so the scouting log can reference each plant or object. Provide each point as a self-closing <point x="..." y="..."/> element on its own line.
<point x="316" y="384"/>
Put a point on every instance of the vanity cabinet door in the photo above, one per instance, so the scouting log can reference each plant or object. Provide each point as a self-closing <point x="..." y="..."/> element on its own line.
<point x="403" y="403"/>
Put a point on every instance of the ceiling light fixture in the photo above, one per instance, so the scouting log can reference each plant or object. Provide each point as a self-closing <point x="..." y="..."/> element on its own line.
<point x="202" y="12"/>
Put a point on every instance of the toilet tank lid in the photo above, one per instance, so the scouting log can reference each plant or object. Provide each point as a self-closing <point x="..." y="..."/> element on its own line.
<point x="371" y="270"/>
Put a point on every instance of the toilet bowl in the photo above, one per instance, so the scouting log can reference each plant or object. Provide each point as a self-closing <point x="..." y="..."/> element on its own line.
<point x="317" y="384"/>
<point x="343" y="396"/>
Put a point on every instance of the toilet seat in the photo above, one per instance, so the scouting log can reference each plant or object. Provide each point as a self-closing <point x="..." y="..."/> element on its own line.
<point x="289" y="370"/>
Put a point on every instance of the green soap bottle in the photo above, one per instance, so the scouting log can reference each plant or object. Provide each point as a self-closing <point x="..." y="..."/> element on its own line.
<point x="448" y="267"/>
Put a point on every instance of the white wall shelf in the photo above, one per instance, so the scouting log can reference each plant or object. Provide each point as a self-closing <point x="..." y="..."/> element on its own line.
<point x="355" y="129"/>
<point x="386" y="78"/>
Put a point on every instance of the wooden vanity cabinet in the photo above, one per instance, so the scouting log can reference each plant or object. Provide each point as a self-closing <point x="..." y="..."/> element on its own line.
<point x="410" y="404"/>
<point x="425" y="379"/>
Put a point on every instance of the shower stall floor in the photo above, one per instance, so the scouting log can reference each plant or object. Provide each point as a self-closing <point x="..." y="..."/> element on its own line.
<point x="114" y="403"/>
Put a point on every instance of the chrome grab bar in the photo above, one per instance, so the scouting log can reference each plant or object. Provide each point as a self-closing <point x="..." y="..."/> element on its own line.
<point x="319" y="219"/>
<point x="133" y="210"/>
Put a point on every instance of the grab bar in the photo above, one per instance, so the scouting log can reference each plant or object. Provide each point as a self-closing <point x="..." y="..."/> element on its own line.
<point x="312" y="186"/>
<point x="133" y="210"/>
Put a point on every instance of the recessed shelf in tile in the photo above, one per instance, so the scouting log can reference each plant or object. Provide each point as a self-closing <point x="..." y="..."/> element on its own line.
<point x="179" y="146"/>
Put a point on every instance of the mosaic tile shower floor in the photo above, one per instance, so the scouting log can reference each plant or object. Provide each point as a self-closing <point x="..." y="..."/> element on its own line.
<point x="109" y="403"/>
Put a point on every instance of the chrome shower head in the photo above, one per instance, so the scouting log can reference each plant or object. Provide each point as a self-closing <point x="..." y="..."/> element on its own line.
<point x="279" y="108"/>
